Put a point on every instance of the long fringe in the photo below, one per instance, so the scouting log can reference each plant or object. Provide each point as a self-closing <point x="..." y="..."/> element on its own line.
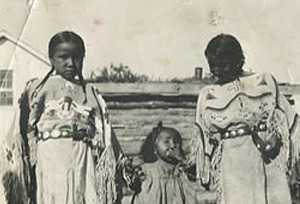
<point x="295" y="142"/>
<point x="106" y="166"/>
<point x="105" y="174"/>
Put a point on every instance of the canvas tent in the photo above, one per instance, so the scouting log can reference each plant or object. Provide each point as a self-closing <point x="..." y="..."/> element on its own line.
<point x="167" y="38"/>
<point x="18" y="64"/>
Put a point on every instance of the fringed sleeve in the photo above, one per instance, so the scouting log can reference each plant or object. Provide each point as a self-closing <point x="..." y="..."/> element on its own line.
<point x="109" y="158"/>
<point x="203" y="150"/>
<point x="293" y="120"/>
<point x="16" y="166"/>
<point x="29" y="139"/>
<point x="26" y="129"/>
<point x="195" y="147"/>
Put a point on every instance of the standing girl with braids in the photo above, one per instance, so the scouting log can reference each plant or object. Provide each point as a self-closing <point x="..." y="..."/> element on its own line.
<point x="67" y="123"/>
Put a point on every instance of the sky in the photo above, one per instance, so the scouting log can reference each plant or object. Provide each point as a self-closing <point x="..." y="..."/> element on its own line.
<point x="163" y="39"/>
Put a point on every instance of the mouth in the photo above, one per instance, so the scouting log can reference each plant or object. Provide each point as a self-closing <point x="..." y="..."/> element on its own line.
<point x="69" y="75"/>
<point x="173" y="154"/>
<point x="69" y="72"/>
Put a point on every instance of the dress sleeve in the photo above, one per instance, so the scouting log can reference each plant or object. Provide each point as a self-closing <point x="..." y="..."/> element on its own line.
<point x="26" y="128"/>
<point x="195" y="146"/>
<point x="290" y="127"/>
<point x="293" y="124"/>
<point x="27" y="156"/>
<point x="203" y="150"/>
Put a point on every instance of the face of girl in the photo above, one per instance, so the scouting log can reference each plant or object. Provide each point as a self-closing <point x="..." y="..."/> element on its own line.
<point x="67" y="60"/>
<point x="168" y="147"/>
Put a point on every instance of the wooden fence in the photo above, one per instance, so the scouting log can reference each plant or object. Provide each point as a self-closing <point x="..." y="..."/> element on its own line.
<point x="135" y="108"/>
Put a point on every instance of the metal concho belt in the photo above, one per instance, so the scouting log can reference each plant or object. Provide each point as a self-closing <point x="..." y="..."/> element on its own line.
<point x="243" y="131"/>
<point x="56" y="133"/>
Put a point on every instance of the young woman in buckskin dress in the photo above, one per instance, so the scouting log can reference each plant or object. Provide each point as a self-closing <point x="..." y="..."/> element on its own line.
<point x="250" y="133"/>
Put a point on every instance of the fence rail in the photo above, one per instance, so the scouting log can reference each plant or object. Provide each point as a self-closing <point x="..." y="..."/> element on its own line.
<point x="162" y="94"/>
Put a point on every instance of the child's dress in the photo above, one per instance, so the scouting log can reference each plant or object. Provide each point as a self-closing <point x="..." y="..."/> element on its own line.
<point x="165" y="184"/>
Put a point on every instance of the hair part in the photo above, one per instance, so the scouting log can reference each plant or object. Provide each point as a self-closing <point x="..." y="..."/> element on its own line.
<point x="148" y="149"/>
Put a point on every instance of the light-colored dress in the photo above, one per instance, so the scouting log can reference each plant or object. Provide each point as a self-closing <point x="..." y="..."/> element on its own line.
<point x="66" y="171"/>
<point x="165" y="184"/>
<point x="236" y="169"/>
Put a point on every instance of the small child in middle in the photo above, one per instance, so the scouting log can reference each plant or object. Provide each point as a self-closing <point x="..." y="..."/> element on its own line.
<point x="164" y="178"/>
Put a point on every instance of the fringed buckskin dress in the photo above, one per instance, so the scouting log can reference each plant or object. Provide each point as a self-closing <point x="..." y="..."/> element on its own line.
<point x="236" y="168"/>
<point x="67" y="136"/>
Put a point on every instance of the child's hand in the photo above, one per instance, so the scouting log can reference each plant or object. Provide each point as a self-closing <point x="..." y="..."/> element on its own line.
<point x="175" y="156"/>
<point x="133" y="175"/>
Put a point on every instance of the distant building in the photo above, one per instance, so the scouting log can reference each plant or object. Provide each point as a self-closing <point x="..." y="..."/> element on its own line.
<point x="198" y="73"/>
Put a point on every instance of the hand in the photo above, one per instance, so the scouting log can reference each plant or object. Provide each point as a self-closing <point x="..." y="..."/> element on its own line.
<point x="133" y="174"/>
<point x="295" y="187"/>
<point x="176" y="156"/>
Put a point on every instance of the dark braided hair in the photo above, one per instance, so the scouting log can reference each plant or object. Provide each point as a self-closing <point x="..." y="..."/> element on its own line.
<point x="224" y="50"/>
<point x="147" y="152"/>
<point x="58" y="38"/>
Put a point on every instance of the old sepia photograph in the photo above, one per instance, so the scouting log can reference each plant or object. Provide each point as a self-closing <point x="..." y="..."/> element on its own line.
<point x="149" y="102"/>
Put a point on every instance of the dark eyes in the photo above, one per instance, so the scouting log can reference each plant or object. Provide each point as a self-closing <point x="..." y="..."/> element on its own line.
<point x="169" y="141"/>
<point x="63" y="56"/>
<point x="66" y="56"/>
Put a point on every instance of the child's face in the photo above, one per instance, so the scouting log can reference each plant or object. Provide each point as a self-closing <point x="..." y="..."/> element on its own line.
<point x="168" y="147"/>
<point x="67" y="60"/>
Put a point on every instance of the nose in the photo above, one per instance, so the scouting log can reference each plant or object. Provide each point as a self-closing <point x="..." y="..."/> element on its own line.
<point x="70" y="62"/>
<point x="172" y="144"/>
